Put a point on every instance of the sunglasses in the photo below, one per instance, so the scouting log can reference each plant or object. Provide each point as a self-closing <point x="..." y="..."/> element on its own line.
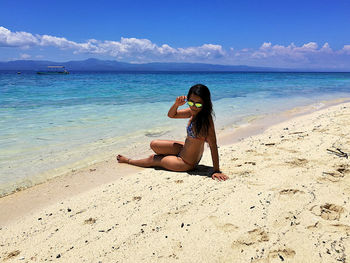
<point x="191" y="103"/>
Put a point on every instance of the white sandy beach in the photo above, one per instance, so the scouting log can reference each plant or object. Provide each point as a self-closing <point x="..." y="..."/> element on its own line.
<point x="287" y="200"/>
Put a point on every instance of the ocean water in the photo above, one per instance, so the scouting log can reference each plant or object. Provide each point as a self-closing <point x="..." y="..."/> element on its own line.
<point x="50" y="125"/>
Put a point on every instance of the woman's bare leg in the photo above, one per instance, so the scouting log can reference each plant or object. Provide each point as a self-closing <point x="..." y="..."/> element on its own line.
<point x="170" y="162"/>
<point x="166" y="147"/>
<point x="166" y="156"/>
<point x="146" y="162"/>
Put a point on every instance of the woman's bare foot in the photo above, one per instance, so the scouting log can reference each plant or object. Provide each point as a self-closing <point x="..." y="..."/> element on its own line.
<point x="122" y="159"/>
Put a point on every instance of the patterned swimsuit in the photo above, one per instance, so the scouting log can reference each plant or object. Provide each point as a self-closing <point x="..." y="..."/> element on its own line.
<point x="190" y="132"/>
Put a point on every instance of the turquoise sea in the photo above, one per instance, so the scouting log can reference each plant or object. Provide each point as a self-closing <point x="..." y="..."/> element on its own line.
<point x="52" y="124"/>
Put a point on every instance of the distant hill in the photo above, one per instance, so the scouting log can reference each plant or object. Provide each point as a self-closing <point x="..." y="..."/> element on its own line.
<point x="112" y="65"/>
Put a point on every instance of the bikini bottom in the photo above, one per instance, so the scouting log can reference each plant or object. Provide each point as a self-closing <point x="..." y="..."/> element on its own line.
<point x="191" y="164"/>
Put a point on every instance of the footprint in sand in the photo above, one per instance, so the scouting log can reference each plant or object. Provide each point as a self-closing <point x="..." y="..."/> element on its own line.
<point x="90" y="221"/>
<point x="331" y="176"/>
<point x="340" y="228"/>
<point x="137" y="198"/>
<point x="343" y="169"/>
<point x="281" y="255"/>
<point x="332" y="228"/>
<point x="287" y="150"/>
<point x="254" y="236"/>
<point x="339" y="173"/>
<point x="328" y="211"/>
<point x="298" y="162"/>
<point x="290" y="192"/>
<point x="226" y="227"/>
<point x="12" y="255"/>
<point x="293" y="195"/>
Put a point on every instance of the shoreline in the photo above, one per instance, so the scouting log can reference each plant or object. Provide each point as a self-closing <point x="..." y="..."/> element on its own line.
<point x="34" y="198"/>
<point x="288" y="184"/>
<point x="260" y="123"/>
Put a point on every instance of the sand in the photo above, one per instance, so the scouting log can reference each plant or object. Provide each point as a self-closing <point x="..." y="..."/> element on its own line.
<point x="287" y="200"/>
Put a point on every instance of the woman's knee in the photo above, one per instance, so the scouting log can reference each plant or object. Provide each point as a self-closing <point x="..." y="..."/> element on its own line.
<point x="154" y="144"/>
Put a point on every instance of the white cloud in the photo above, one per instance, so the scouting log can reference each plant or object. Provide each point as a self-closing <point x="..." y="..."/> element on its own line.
<point x="290" y="52"/>
<point x="326" y="48"/>
<point x="204" y="51"/>
<point x="144" y="50"/>
<point x="346" y="49"/>
<point x="311" y="46"/>
<point x="16" y="39"/>
<point x="308" y="55"/>
<point x="60" y="42"/>
<point x="25" y="56"/>
<point x="265" y="45"/>
<point x="126" y="48"/>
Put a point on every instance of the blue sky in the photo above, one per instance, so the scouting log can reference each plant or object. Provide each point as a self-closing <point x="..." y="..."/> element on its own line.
<point x="294" y="34"/>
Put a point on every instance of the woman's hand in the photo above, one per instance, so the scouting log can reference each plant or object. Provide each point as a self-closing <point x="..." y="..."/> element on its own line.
<point x="181" y="100"/>
<point x="219" y="176"/>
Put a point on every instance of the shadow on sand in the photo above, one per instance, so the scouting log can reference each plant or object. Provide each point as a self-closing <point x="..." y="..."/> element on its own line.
<point x="201" y="170"/>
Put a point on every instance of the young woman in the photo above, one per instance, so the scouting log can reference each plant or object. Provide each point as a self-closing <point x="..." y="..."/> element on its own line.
<point x="184" y="156"/>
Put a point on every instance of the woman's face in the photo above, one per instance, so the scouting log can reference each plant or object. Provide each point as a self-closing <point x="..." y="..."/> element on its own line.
<point x="195" y="99"/>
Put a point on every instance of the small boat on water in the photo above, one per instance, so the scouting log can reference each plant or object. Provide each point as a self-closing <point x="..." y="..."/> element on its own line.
<point x="53" y="70"/>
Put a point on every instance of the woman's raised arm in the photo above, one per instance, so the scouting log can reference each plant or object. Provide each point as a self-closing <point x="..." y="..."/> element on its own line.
<point x="175" y="113"/>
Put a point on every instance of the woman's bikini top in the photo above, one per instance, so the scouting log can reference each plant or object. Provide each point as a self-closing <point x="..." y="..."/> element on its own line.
<point x="190" y="132"/>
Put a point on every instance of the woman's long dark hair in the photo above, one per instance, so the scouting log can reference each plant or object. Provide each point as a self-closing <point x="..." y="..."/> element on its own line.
<point x="202" y="119"/>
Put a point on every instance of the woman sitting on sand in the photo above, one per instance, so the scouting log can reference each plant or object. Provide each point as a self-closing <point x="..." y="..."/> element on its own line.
<point x="184" y="156"/>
